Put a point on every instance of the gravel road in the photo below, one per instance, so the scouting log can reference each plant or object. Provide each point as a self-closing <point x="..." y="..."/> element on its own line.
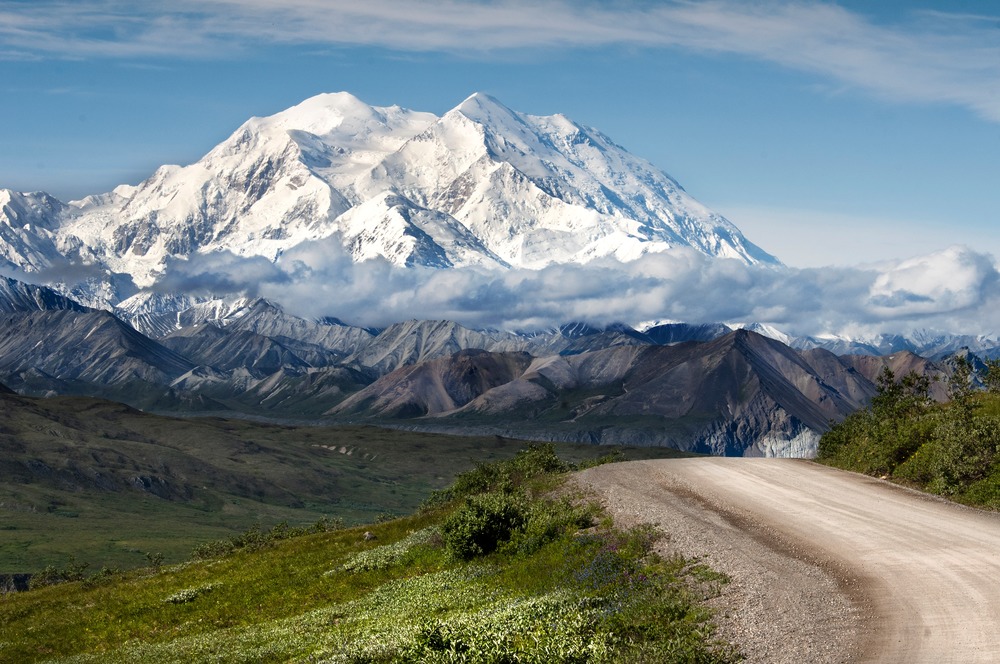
<point x="826" y="566"/>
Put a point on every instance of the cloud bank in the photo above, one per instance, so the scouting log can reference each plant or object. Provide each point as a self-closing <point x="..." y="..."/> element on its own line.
<point x="925" y="57"/>
<point x="955" y="290"/>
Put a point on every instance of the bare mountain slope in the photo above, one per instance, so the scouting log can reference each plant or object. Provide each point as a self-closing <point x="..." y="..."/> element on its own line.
<point x="437" y="386"/>
<point x="742" y="394"/>
<point x="91" y="347"/>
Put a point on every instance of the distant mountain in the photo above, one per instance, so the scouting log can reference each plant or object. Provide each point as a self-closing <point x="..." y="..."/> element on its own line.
<point x="226" y="350"/>
<point x="673" y="333"/>
<point x="19" y="296"/>
<point x="89" y="347"/>
<point x="927" y="344"/>
<point x="741" y="394"/>
<point x="414" y="341"/>
<point x="482" y="185"/>
<point x="933" y="345"/>
<point x="437" y="386"/>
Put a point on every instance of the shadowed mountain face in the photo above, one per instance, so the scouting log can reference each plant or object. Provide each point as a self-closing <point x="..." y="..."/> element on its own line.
<point x="85" y="346"/>
<point x="741" y="394"/>
<point x="226" y="350"/>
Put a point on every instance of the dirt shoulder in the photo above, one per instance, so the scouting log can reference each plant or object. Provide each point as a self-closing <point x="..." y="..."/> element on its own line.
<point x="826" y="566"/>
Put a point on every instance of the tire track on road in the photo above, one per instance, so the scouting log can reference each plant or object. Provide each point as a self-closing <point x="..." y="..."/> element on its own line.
<point x="827" y="566"/>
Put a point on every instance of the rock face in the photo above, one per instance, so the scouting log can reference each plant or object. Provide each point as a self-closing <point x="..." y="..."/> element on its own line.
<point x="89" y="347"/>
<point x="482" y="185"/>
<point x="741" y="394"/>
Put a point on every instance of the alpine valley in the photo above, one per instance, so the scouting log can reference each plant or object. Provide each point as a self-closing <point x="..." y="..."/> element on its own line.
<point x="481" y="188"/>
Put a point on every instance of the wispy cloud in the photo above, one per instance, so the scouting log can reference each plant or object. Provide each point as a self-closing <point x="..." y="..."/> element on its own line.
<point x="928" y="57"/>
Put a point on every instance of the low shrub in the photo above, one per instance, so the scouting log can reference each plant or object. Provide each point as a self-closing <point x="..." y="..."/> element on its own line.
<point x="189" y="594"/>
<point x="534" y="460"/>
<point x="254" y="538"/>
<point x="483" y="523"/>
<point x="51" y="575"/>
<point x="389" y="555"/>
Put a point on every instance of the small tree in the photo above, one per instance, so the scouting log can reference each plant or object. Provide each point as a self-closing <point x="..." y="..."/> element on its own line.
<point x="902" y="398"/>
<point x="878" y="438"/>
<point x="960" y="388"/>
<point x="992" y="377"/>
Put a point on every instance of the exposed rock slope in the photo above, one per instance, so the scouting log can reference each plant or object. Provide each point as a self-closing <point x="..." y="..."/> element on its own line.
<point x="742" y="394"/>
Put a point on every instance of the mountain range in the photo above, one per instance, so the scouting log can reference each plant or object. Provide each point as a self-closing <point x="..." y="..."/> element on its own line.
<point x="697" y="388"/>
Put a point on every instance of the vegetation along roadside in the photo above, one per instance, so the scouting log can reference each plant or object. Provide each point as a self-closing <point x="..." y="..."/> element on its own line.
<point x="951" y="449"/>
<point x="502" y="566"/>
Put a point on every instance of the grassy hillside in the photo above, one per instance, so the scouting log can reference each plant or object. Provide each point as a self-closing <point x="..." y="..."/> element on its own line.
<point x="952" y="449"/>
<point x="108" y="484"/>
<point x="496" y="569"/>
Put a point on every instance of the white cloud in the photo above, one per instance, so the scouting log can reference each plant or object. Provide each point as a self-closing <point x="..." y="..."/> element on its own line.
<point x="951" y="280"/>
<point x="931" y="57"/>
<point x="955" y="290"/>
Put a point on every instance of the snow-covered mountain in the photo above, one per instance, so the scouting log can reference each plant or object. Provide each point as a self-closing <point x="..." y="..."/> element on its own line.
<point x="27" y="239"/>
<point x="481" y="185"/>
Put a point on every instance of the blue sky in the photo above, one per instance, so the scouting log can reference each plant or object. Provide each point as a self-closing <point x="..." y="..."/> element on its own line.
<point x="831" y="133"/>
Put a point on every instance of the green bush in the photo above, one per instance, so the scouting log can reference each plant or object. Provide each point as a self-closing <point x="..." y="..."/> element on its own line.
<point x="877" y="439"/>
<point x="483" y="523"/>
<point x="51" y="575"/>
<point x="965" y="449"/>
<point x="547" y="520"/>
<point x="951" y="449"/>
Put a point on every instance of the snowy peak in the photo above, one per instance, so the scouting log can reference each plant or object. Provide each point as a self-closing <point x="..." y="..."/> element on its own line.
<point x="324" y="113"/>
<point x="393" y="227"/>
<point x="343" y="118"/>
<point x="21" y="209"/>
<point x="479" y="104"/>
<point x="543" y="189"/>
<point x="333" y="125"/>
<point x="483" y="185"/>
<point x="27" y="239"/>
<point x="489" y="113"/>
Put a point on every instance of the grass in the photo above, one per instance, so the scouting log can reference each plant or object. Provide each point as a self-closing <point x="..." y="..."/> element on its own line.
<point x="569" y="588"/>
<point x="69" y="487"/>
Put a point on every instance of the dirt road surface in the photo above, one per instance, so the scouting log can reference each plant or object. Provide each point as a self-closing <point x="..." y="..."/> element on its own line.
<point x="826" y="566"/>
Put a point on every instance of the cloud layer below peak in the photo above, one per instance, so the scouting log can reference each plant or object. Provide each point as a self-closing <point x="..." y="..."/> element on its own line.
<point x="956" y="290"/>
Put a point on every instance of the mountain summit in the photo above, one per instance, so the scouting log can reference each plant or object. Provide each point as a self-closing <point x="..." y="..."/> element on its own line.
<point x="482" y="185"/>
